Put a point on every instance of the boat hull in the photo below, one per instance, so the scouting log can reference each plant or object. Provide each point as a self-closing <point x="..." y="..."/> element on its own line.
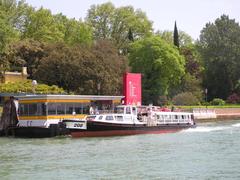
<point x="38" y="132"/>
<point x="96" y="129"/>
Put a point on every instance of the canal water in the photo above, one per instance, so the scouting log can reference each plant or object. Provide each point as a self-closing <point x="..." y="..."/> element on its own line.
<point x="210" y="151"/>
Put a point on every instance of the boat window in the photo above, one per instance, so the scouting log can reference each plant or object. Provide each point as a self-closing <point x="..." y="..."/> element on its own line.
<point x="100" y="117"/>
<point x="134" y="110"/>
<point x="90" y="117"/>
<point x="176" y="117"/>
<point x="119" y="118"/>
<point x="120" y="110"/>
<point x="109" y="118"/>
<point x="128" y="110"/>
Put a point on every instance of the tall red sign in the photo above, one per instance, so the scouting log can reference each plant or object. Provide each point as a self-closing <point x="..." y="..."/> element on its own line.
<point x="132" y="88"/>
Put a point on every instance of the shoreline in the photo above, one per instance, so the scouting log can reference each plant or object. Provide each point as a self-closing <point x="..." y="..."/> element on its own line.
<point x="223" y="114"/>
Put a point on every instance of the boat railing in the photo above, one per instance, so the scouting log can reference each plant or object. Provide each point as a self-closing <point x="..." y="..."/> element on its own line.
<point x="204" y="113"/>
<point x="173" y="119"/>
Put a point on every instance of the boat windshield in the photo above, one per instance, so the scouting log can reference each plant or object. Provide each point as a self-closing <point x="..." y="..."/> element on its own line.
<point x="119" y="110"/>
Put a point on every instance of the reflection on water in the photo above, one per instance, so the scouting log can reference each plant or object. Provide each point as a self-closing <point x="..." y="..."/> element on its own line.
<point x="209" y="151"/>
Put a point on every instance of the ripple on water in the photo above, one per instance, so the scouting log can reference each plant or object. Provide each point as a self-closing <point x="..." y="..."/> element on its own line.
<point x="209" y="151"/>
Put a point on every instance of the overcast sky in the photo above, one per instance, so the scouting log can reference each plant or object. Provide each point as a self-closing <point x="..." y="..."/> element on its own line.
<point x="191" y="15"/>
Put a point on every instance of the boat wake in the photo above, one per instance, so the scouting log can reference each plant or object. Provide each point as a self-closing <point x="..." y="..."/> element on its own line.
<point x="212" y="128"/>
<point x="206" y="129"/>
<point x="236" y="125"/>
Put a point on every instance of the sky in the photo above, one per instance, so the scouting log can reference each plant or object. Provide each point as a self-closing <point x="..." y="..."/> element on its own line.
<point x="191" y="15"/>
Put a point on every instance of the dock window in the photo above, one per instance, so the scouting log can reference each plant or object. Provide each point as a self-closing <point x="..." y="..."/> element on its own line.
<point x="23" y="109"/>
<point x="78" y="108"/>
<point x="34" y="109"/>
<point x="69" y="108"/>
<point x="52" y="109"/>
<point x="60" y="108"/>
<point x="86" y="108"/>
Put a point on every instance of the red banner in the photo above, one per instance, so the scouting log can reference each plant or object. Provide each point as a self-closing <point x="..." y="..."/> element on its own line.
<point x="132" y="88"/>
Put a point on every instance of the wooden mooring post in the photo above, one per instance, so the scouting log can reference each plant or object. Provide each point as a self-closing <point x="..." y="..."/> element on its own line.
<point x="9" y="117"/>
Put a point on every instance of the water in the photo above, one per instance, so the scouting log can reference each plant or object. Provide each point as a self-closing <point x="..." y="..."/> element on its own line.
<point x="210" y="151"/>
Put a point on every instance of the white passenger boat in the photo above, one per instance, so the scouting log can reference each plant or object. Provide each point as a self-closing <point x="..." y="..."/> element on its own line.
<point x="130" y="120"/>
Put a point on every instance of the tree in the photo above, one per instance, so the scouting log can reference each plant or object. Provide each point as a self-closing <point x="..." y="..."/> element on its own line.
<point x="184" y="38"/>
<point x="130" y="35"/>
<point x="82" y="69"/>
<point x="175" y="36"/>
<point x="219" y="48"/>
<point x="160" y="63"/>
<point x="75" y="32"/>
<point x="11" y="20"/>
<point x="25" y="53"/>
<point x="42" y="26"/>
<point x="113" y="24"/>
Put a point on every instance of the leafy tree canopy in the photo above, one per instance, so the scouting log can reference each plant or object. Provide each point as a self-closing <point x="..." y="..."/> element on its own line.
<point x="83" y="69"/>
<point x="113" y="23"/>
<point x="219" y="48"/>
<point x="161" y="66"/>
<point x="11" y="20"/>
<point x="27" y="53"/>
<point x="184" y="38"/>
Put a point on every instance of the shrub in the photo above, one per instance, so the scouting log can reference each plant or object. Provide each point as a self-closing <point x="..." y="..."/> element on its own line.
<point x="162" y="100"/>
<point x="217" y="102"/>
<point x="186" y="98"/>
<point x="233" y="98"/>
<point x="26" y="87"/>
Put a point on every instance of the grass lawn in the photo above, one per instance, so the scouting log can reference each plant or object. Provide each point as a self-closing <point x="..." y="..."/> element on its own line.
<point x="225" y="106"/>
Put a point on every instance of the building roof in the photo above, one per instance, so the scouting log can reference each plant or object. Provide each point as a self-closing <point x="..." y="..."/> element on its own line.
<point x="63" y="97"/>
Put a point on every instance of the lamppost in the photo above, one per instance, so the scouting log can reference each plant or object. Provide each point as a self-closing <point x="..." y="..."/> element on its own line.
<point x="98" y="88"/>
<point x="206" y="91"/>
<point x="34" y="85"/>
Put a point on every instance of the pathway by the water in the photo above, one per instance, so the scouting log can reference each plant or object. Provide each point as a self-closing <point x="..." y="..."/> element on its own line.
<point x="210" y="151"/>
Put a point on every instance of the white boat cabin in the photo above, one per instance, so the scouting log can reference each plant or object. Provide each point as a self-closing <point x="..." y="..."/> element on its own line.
<point x="127" y="114"/>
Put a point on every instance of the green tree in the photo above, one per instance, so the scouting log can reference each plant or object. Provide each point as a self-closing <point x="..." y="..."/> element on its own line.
<point x="75" y="32"/>
<point x="12" y="15"/>
<point x="42" y="26"/>
<point x="82" y="69"/>
<point x="175" y="35"/>
<point x="219" y="48"/>
<point x="160" y="63"/>
<point x="113" y="23"/>
<point x="25" y="53"/>
<point x="184" y="38"/>
<point x="192" y="80"/>
<point x="130" y="35"/>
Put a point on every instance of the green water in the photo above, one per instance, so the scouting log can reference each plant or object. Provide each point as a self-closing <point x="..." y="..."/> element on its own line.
<point x="210" y="151"/>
